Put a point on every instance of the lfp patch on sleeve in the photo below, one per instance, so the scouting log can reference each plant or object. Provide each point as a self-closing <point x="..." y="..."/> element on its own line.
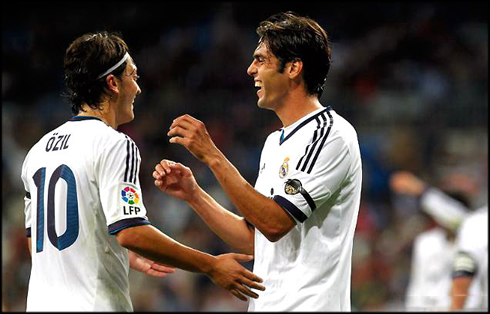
<point x="129" y="199"/>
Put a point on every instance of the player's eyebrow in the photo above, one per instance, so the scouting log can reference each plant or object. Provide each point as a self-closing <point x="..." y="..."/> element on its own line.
<point x="258" y="55"/>
<point x="135" y="69"/>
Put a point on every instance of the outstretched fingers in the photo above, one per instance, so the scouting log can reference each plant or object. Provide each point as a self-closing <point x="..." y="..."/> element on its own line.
<point x="163" y="268"/>
<point x="252" y="281"/>
<point x="247" y="292"/>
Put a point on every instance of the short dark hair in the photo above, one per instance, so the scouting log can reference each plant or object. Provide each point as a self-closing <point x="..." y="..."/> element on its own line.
<point x="86" y="58"/>
<point x="459" y="196"/>
<point x="289" y="37"/>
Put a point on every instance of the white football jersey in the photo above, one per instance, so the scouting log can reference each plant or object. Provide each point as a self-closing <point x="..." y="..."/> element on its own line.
<point x="82" y="187"/>
<point x="472" y="259"/>
<point x="429" y="288"/>
<point x="313" y="171"/>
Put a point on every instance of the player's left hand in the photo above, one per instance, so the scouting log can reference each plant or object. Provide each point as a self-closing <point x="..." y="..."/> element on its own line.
<point x="175" y="179"/>
<point x="193" y="135"/>
<point x="149" y="267"/>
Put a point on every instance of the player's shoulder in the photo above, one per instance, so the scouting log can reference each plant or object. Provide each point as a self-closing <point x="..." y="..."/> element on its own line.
<point x="273" y="136"/>
<point x="45" y="138"/>
<point x="98" y="131"/>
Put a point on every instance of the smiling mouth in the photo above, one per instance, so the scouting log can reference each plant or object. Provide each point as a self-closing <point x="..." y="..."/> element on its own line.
<point x="258" y="87"/>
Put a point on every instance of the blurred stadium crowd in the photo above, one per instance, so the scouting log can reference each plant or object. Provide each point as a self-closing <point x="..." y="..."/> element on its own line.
<point x="411" y="77"/>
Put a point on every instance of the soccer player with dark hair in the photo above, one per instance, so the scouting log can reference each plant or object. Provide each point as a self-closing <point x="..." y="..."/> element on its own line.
<point x="85" y="216"/>
<point x="300" y="218"/>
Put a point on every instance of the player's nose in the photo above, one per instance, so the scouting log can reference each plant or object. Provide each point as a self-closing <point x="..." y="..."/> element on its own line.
<point x="252" y="69"/>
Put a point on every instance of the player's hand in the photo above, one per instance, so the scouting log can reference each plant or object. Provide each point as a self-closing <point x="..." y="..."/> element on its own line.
<point x="175" y="179"/>
<point x="229" y="274"/>
<point x="149" y="267"/>
<point x="406" y="183"/>
<point x="193" y="135"/>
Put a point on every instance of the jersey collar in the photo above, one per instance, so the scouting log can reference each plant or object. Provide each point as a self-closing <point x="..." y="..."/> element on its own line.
<point x="83" y="118"/>
<point x="301" y="123"/>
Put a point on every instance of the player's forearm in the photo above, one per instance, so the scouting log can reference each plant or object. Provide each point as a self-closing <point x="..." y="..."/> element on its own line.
<point x="459" y="292"/>
<point x="149" y="242"/>
<point x="229" y="227"/>
<point x="262" y="212"/>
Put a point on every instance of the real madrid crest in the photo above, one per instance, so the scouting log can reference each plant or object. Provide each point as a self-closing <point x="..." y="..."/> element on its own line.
<point x="283" y="170"/>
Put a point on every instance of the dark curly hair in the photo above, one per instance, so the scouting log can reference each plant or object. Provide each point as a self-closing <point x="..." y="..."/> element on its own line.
<point x="290" y="37"/>
<point x="86" y="58"/>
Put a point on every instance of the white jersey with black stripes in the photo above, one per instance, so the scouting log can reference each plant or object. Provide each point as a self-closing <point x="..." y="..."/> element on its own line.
<point x="82" y="187"/>
<point x="313" y="170"/>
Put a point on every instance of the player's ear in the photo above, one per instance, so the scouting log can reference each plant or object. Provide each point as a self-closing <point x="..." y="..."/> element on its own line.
<point x="294" y="68"/>
<point x="112" y="83"/>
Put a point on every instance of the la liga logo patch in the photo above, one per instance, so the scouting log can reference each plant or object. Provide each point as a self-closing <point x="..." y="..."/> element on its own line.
<point x="130" y="196"/>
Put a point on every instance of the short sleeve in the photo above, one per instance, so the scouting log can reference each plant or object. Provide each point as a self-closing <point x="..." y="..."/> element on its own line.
<point x="471" y="244"/>
<point x="447" y="211"/>
<point x="305" y="189"/>
<point x="466" y="240"/>
<point x="120" y="191"/>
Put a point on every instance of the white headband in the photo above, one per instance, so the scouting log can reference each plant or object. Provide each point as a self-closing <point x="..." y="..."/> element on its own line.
<point x="126" y="56"/>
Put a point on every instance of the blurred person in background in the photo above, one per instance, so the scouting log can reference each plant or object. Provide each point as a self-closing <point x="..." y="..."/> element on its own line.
<point x="470" y="268"/>
<point x="84" y="211"/>
<point x="435" y="249"/>
<point x="299" y="221"/>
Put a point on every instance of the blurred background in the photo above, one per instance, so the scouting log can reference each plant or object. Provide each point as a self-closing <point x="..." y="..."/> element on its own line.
<point x="412" y="78"/>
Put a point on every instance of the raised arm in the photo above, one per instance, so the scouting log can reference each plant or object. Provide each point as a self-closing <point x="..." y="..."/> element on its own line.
<point x="262" y="212"/>
<point x="178" y="181"/>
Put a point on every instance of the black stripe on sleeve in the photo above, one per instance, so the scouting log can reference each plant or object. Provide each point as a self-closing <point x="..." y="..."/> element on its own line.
<point x="308" y="199"/>
<point x="132" y="162"/>
<point x="127" y="160"/>
<point x="28" y="195"/>
<point x="114" y="228"/>
<point x="322" y="144"/>
<point x="290" y="207"/>
<point x="309" y="146"/>
<point x="462" y="273"/>
<point x="137" y="163"/>
<point x="314" y="143"/>
<point x="464" y="265"/>
<point x="28" y="232"/>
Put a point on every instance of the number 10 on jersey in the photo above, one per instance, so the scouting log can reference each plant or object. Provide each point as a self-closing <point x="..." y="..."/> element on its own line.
<point x="72" y="225"/>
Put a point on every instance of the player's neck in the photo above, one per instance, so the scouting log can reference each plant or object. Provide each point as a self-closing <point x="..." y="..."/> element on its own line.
<point x="296" y="108"/>
<point x="104" y="113"/>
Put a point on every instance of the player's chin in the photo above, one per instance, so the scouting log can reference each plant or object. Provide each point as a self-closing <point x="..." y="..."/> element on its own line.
<point x="264" y="105"/>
